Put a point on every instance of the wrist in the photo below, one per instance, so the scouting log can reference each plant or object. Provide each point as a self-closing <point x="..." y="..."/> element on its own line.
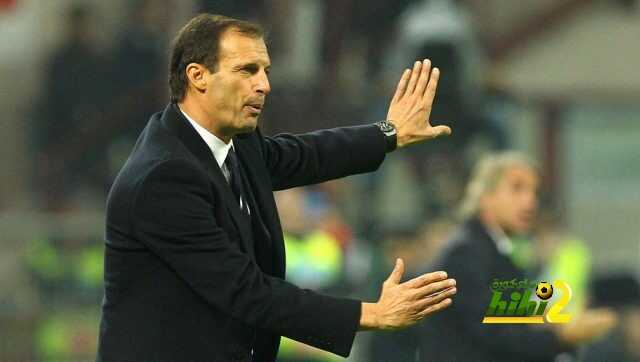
<point x="388" y="129"/>
<point x="368" y="316"/>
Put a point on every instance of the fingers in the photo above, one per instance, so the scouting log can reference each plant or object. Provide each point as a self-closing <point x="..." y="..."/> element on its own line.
<point x="402" y="85"/>
<point x="424" y="78"/>
<point x="426" y="279"/>
<point x="415" y="74"/>
<point x="412" y="104"/>
<point x="421" y="77"/>
<point x="430" y="92"/>
<point x="437" y="297"/>
<point x="435" y="308"/>
<point x="396" y="274"/>
<point x="433" y="288"/>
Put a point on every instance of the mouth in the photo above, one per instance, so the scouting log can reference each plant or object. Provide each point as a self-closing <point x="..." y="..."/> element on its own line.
<point x="255" y="107"/>
<point x="526" y="217"/>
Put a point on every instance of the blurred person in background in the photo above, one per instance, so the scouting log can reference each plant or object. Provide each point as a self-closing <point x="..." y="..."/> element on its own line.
<point x="73" y="96"/>
<point x="194" y="259"/>
<point x="561" y="255"/>
<point x="500" y="205"/>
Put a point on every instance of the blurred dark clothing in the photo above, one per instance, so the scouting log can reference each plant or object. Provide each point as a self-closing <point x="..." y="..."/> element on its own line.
<point x="620" y="291"/>
<point x="138" y="59"/>
<point x="457" y="334"/>
<point x="70" y="103"/>
<point x="616" y="291"/>
<point x="75" y="84"/>
<point x="371" y="20"/>
<point x="610" y="348"/>
<point x="138" y="72"/>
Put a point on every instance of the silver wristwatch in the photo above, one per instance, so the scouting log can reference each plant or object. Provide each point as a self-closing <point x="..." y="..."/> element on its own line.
<point x="391" y="135"/>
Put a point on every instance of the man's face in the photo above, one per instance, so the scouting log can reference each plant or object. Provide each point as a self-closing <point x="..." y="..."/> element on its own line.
<point x="236" y="92"/>
<point x="514" y="202"/>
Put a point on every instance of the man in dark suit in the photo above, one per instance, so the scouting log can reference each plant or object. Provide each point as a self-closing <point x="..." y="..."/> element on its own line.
<point x="500" y="203"/>
<point x="194" y="260"/>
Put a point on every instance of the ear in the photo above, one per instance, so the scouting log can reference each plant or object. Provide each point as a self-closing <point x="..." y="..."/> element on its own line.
<point x="196" y="74"/>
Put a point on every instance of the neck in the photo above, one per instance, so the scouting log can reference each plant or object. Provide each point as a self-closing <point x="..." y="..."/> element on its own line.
<point x="194" y="109"/>
<point x="490" y="222"/>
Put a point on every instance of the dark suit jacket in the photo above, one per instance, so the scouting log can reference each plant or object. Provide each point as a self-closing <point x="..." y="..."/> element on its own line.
<point x="187" y="277"/>
<point x="457" y="334"/>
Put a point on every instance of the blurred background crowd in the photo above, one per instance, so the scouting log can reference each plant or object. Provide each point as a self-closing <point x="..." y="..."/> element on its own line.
<point x="554" y="79"/>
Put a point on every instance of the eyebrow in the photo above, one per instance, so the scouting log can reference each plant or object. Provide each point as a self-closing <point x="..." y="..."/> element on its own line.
<point x="251" y="65"/>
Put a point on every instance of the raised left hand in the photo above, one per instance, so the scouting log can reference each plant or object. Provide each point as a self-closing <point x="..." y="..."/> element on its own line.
<point x="411" y="105"/>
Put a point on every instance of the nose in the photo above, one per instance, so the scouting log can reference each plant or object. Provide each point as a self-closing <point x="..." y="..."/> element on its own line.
<point x="262" y="85"/>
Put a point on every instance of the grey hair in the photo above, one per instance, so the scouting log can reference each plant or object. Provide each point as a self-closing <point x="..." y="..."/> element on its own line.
<point x="487" y="174"/>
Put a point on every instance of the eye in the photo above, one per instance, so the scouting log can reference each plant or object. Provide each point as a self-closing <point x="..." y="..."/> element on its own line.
<point x="249" y="69"/>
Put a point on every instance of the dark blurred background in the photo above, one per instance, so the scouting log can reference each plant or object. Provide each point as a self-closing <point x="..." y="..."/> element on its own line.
<point x="555" y="79"/>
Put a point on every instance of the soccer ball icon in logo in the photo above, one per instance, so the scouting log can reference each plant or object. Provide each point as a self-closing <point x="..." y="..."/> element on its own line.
<point x="544" y="290"/>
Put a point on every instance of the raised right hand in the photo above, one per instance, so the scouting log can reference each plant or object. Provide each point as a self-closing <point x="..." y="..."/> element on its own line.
<point x="411" y="105"/>
<point x="403" y="304"/>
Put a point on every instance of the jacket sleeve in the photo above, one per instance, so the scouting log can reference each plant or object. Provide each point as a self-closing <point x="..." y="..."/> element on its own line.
<point x="173" y="216"/>
<point x="297" y="160"/>
<point x="470" y="269"/>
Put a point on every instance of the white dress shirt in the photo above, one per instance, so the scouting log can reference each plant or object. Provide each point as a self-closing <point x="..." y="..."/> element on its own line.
<point x="219" y="149"/>
<point x="503" y="242"/>
<point x="217" y="146"/>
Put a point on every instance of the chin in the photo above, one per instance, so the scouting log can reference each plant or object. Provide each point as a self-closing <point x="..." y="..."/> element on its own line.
<point x="248" y="128"/>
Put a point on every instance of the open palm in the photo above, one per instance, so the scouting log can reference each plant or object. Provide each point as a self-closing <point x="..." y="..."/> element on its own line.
<point x="411" y="105"/>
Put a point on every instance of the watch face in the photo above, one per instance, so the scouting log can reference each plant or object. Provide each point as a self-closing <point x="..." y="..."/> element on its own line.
<point x="386" y="126"/>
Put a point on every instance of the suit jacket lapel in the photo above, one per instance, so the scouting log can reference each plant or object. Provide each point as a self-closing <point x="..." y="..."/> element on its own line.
<point x="252" y="185"/>
<point x="269" y="244"/>
<point x="174" y="119"/>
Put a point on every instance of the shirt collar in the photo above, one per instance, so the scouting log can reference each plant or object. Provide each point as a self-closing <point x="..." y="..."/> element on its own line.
<point x="502" y="241"/>
<point x="217" y="146"/>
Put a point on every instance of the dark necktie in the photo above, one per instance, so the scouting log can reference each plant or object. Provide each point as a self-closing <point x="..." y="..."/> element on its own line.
<point x="235" y="180"/>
